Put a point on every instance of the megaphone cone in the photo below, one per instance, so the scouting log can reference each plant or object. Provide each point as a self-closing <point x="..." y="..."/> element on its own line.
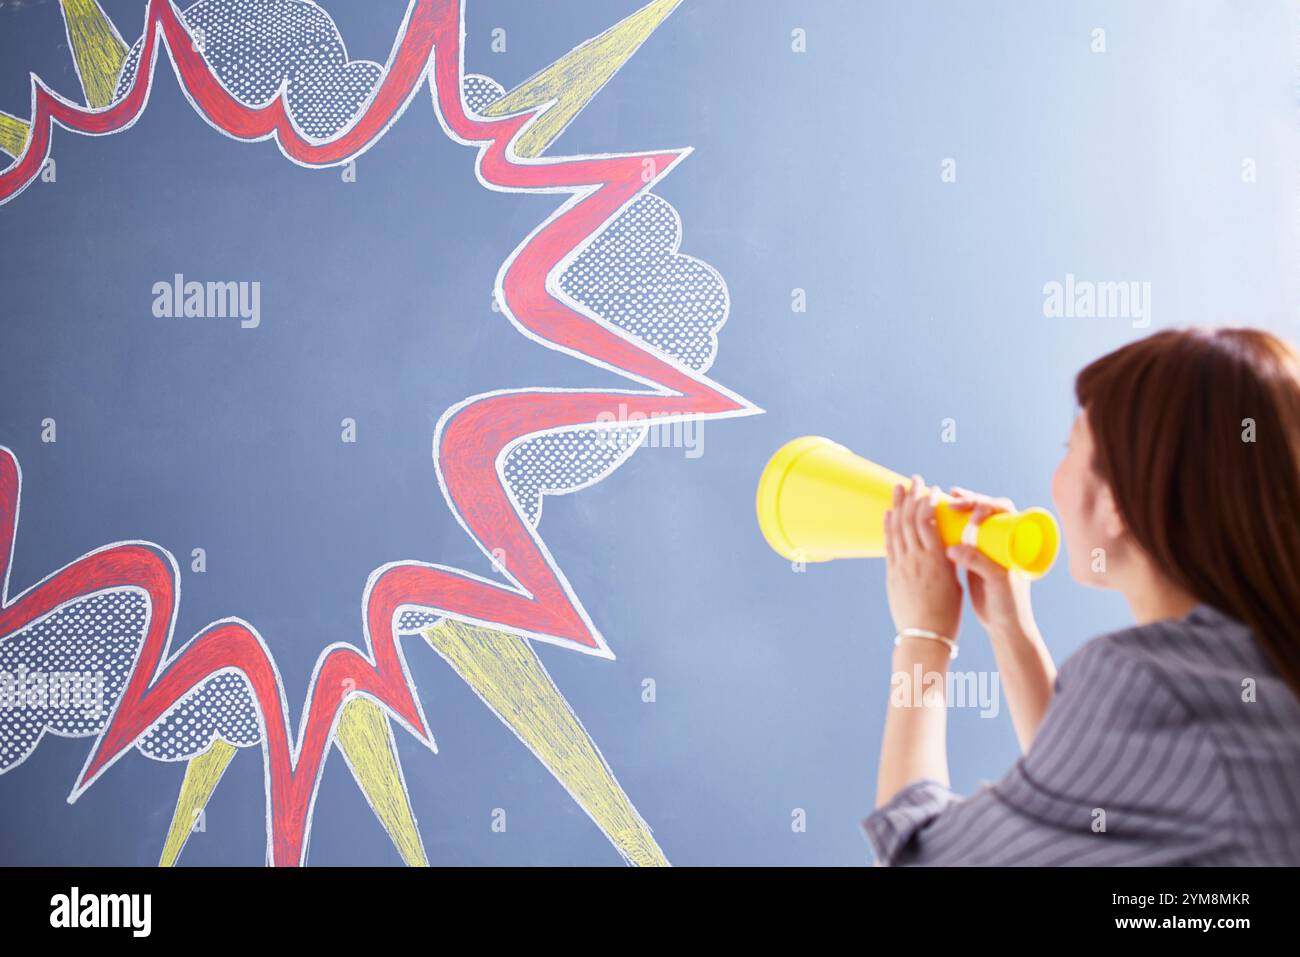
<point x="818" y="501"/>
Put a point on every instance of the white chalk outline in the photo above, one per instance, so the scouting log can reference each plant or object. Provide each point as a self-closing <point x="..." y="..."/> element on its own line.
<point x="577" y="195"/>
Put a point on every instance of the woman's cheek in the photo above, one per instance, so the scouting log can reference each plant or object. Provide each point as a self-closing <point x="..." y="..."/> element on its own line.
<point x="1061" y="497"/>
<point x="1067" y="509"/>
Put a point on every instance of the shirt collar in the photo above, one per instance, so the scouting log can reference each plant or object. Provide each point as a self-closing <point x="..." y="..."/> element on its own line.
<point x="1208" y="615"/>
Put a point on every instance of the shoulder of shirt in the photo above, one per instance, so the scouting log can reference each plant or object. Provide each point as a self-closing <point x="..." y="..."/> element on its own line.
<point x="1204" y="644"/>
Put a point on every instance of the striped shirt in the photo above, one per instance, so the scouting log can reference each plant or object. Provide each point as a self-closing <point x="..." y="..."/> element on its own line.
<point x="1175" y="742"/>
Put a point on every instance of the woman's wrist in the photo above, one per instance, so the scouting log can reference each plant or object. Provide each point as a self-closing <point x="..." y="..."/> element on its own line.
<point x="919" y="675"/>
<point x="928" y="652"/>
<point x="1016" y="634"/>
<point x="926" y="634"/>
<point x="937" y="624"/>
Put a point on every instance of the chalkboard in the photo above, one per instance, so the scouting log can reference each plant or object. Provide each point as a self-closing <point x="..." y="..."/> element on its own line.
<point x="384" y="386"/>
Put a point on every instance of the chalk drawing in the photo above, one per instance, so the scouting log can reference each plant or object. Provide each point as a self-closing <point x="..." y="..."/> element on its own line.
<point x="496" y="455"/>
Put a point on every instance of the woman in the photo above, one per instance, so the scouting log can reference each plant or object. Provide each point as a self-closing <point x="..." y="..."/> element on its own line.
<point x="1176" y="741"/>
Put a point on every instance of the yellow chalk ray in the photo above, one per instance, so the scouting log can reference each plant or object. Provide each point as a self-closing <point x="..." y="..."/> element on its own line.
<point x="576" y="77"/>
<point x="506" y="673"/>
<point x="366" y="740"/>
<point x="201" y="777"/>
<point x="97" y="48"/>
<point x="13" y="134"/>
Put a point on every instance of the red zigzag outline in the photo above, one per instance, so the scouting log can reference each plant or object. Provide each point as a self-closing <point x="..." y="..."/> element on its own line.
<point x="471" y="440"/>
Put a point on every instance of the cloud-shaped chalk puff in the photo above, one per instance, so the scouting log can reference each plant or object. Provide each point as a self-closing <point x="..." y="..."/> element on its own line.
<point x="220" y="707"/>
<point x="255" y="45"/>
<point x="64" y="674"/>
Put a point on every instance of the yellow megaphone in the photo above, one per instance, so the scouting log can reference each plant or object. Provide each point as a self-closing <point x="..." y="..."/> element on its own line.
<point x="818" y="501"/>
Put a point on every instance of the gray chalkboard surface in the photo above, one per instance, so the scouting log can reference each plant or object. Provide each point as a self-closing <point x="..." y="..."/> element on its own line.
<point x="381" y="386"/>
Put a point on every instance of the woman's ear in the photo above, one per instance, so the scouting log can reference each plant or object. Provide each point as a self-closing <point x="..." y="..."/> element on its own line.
<point x="1109" y="520"/>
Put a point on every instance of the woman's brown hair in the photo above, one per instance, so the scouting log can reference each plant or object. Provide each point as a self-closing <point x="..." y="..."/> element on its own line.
<point x="1197" y="433"/>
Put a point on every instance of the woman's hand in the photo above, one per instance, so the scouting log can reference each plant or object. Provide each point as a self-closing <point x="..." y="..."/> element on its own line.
<point x="1000" y="597"/>
<point x="920" y="580"/>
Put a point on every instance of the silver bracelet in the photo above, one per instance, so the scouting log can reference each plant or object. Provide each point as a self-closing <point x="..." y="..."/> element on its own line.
<point x="932" y="635"/>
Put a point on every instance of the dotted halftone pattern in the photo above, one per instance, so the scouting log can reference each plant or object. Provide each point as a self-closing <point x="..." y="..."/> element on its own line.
<point x="220" y="707"/>
<point x="409" y="621"/>
<point x="95" y="643"/>
<point x="254" y="46"/>
<point x="97" y="640"/>
<point x="481" y="91"/>
<point x="633" y="277"/>
<point x="560" y="462"/>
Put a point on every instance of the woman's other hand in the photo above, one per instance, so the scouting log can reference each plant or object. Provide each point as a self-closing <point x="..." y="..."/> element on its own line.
<point x="1000" y="597"/>
<point x="921" y="581"/>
